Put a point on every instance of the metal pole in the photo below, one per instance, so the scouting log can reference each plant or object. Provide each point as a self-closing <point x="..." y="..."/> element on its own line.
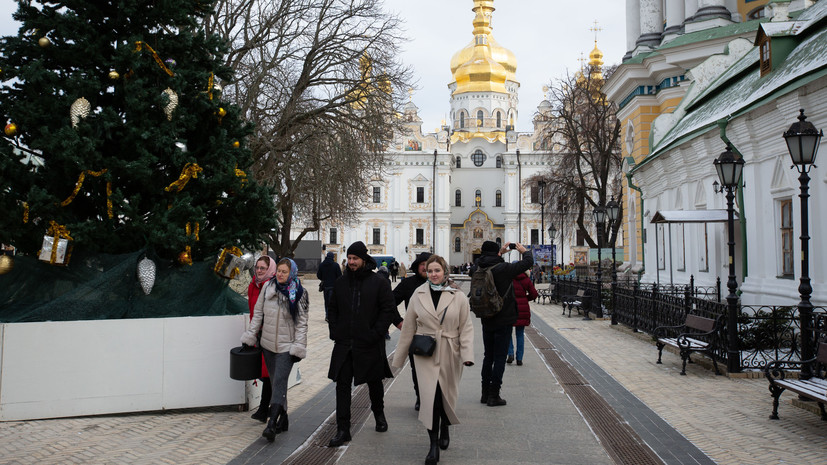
<point x="805" y="307"/>
<point x="733" y="350"/>
<point x="614" y="283"/>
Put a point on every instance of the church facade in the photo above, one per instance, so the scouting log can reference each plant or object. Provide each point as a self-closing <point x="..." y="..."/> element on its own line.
<point x="449" y="191"/>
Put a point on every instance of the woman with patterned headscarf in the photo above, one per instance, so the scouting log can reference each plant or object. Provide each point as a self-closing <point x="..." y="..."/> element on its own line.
<point x="280" y="314"/>
<point x="264" y="270"/>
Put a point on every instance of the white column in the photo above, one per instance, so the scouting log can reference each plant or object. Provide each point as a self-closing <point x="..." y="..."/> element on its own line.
<point x="632" y="26"/>
<point x="651" y="23"/>
<point x="674" y="18"/>
<point x="709" y="9"/>
<point x="690" y="8"/>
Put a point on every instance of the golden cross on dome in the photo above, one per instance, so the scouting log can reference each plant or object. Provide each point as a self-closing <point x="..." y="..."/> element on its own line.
<point x="595" y="29"/>
<point x="582" y="60"/>
<point x="410" y="94"/>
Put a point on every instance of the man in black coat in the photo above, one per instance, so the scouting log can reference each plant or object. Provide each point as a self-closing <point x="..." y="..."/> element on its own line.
<point x="403" y="292"/>
<point x="361" y="310"/>
<point x="329" y="271"/>
<point x="496" y="329"/>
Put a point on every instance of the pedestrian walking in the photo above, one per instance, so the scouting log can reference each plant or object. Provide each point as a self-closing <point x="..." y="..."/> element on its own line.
<point x="496" y="329"/>
<point x="328" y="273"/>
<point x="281" y="316"/>
<point x="438" y="310"/>
<point x="361" y="310"/>
<point x="524" y="292"/>
<point x="394" y="270"/>
<point x="402" y="293"/>
<point x="264" y="270"/>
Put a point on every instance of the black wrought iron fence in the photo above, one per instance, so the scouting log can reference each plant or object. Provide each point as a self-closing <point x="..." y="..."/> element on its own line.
<point x="768" y="333"/>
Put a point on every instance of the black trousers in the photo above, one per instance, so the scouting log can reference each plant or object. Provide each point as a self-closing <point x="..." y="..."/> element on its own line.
<point x="376" y="391"/>
<point x="439" y="411"/>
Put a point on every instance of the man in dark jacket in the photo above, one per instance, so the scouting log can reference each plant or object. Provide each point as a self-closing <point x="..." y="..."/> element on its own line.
<point x="328" y="273"/>
<point x="403" y="292"/>
<point x="496" y="330"/>
<point x="361" y="310"/>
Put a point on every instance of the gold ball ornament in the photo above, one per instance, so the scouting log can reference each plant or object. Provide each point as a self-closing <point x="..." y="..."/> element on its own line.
<point x="236" y="144"/>
<point x="44" y="42"/>
<point x="184" y="258"/>
<point x="222" y="112"/>
<point x="6" y="264"/>
<point x="11" y="129"/>
<point x="113" y="75"/>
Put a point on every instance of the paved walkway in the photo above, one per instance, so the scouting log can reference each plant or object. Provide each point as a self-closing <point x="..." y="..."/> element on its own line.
<point x="697" y="417"/>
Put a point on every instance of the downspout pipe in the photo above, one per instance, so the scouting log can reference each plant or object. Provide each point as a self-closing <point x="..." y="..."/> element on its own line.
<point x="519" y="199"/>
<point x="722" y="124"/>
<point x="433" y="202"/>
<point x="642" y="219"/>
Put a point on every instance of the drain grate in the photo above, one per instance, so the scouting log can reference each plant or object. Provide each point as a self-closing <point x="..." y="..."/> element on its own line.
<point x="622" y="444"/>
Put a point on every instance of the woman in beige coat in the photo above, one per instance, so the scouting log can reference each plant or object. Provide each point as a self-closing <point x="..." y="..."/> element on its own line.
<point x="281" y="316"/>
<point x="439" y="309"/>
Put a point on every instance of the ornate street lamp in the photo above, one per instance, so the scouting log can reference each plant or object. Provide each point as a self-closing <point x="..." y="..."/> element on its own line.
<point x="542" y="186"/>
<point x="552" y="231"/>
<point x="802" y="142"/>
<point x="729" y="171"/>
<point x="599" y="221"/>
<point x="613" y="211"/>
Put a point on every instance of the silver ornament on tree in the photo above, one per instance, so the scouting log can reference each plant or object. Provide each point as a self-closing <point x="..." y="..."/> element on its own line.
<point x="173" y="102"/>
<point x="79" y="109"/>
<point x="146" y="274"/>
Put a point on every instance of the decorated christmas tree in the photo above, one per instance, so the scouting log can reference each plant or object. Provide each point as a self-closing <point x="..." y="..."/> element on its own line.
<point x="115" y="137"/>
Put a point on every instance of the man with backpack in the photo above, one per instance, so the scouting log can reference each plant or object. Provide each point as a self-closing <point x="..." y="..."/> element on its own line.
<point x="492" y="300"/>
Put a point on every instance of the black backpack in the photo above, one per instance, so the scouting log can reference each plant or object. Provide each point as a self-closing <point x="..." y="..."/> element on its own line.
<point x="485" y="300"/>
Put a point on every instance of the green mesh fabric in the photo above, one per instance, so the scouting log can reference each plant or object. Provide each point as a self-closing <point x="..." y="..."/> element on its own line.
<point x="99" y="287"/>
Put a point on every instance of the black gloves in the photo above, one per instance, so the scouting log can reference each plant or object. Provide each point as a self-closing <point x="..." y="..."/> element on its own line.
<point x="295" y="359"/>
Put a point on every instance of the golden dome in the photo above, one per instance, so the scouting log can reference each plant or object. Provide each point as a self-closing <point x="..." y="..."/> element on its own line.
<point x="483" y="65"/>
<point x="596" y="57"/>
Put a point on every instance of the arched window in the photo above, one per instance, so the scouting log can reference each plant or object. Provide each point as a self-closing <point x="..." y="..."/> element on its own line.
<point x="478" y="157"/>
<point x="480" y="116"/>
<point x="458" y="198"/>
<point x="462" y="119"/>
<point x="459" y="161"/>
<point x="498" y="198"/>
<point x="457" y="244"/>
<point x="499" y="161"/>
<point x="499" y="119"/>
<point x="477" y="198"/>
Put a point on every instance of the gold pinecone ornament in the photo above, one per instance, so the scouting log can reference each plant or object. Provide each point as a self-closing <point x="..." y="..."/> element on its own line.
<point x="80" y="109"/>
<point x="6" y="264"/>
<point x="146" y="274"/>
<point x="173" y="103"/>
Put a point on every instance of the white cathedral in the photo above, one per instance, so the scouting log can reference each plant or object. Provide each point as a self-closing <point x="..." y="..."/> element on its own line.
<point x="448" y="192"/>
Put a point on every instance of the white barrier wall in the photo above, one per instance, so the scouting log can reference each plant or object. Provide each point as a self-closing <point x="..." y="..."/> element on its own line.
<point x="72" y="368"/>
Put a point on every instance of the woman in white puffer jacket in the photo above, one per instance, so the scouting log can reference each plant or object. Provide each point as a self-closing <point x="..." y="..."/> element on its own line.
<point x="281" y="315"/>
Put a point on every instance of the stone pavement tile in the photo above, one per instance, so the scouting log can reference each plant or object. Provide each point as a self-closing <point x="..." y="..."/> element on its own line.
<point x="727" y="418"/>
<point x="539" y="424"/>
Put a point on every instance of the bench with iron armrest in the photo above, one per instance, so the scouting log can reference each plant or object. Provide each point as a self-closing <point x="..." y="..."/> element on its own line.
<point x="695" y="335"/>
<point x="814" y="388"/>
<point x="580" y="301"/>
<point x="546" y="292"/>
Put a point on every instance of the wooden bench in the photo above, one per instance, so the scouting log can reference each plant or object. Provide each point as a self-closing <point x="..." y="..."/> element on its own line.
<point x="695" y="335"/>
<point x="546" y="292"/>
<point x="814" y="388"/>
<point x="580" y="301"/>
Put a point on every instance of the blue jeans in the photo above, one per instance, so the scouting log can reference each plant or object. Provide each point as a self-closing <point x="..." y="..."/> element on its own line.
<point x="495" y="343"/>
<point x="519" y="334"/>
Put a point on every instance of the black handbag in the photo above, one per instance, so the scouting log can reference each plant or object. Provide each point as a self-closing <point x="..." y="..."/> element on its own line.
<point x="424" y="345"/>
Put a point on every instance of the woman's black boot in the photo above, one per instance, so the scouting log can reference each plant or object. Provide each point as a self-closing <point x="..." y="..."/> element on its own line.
<point x="264" y="405"/>
<point x="433" y="454"/>
<point x="271" y="430"/>
<point x="444" y="438"/>
<point x="282" y="423"/>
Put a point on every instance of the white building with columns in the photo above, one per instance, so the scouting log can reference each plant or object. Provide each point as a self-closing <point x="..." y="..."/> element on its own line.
<point x="447" y="192"/>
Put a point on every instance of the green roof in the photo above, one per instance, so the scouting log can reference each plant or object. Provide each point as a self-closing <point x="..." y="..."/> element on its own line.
<point x="735" y="29"/>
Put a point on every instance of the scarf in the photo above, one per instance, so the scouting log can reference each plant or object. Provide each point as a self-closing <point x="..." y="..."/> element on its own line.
<point x="447" y="285"/>
<point x="271" y="272"/>
<point x="292" y="289"/>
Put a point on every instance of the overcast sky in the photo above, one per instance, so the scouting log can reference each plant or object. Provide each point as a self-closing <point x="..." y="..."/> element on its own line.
<point x="547" y="37"/>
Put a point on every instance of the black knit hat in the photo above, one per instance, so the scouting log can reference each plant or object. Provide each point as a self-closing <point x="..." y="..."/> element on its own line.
<point x="358" y="248"/>
<point x="490" y="246"/>
<point x="421" y="258"/>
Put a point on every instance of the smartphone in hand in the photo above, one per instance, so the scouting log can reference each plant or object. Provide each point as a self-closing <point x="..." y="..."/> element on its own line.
<point x="512" y="246"/>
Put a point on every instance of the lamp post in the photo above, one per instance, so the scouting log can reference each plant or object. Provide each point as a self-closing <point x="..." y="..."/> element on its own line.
<point x="551" y="232"/>
<point x="599" y="221"/>
<point x="729" y="171"/>
<point x="613" y="210"/>
<point x="802" y="143"/>
<point x="561" y="202"/>
<point x="542" y="186"/>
